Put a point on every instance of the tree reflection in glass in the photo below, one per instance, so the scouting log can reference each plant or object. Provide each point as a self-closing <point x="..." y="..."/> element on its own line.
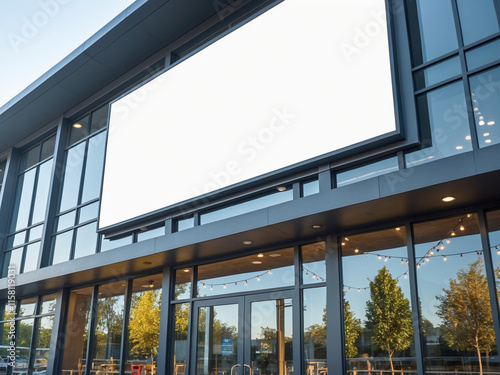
<point x="108" y="332"/>
<point x="455" y="309"/>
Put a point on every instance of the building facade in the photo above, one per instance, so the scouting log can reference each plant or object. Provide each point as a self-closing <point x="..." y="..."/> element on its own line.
<point x="380" y="255"/>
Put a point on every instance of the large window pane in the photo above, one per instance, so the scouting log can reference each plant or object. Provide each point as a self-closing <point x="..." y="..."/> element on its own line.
<point x="215" y="325"/>
<point x="61" y="247"/>
<point x="72" y="177"/>
<point x="485" y="94"/>
<point x="43" y="334"/>
<point x="12" y="258"/>
<point x="367" y="171"/>
<point x="86" y="240"/>
<point x="445" y="125"/>
<point x="144" y="324"/>
<point x="455" y="309"/>
<point x="181" y="338"/>
<point x="32" y="253"/>
<point x="183" y="283"/>
<point x="478" y="19"/>
<point x="76" y="333"/>
<point x="315" y="331"/>
<point x="23" y="343"/>
<point x="313" y="263"/>
<point x="437" y="30"/>
<point x="93" y="169"/>
<point x="22" y="203"/>
<point x="254" y="272"/>
<point x="108" y="332"/>
<point x="42" y="192"/>
<point x="378" y="321"/>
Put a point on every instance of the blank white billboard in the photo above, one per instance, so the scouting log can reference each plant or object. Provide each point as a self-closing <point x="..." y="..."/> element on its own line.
<point x="303" y="79"/>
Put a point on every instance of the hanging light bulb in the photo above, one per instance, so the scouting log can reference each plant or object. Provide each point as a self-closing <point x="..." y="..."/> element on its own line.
<point x="356" y="250"/>
<point x="441" y="247"/>
<point x="224" y="286"/>
<point x="204" y="286"/>
<point x="453" y="233"/>
<point x="498" y="250"/>
<point x="406" y="275"/>
<point x="462" y="227"/>
<point x="359" y="289"/>
<point x="379" y="257"/>
<point x="246" y="282"/>
<point x="385" y="259"/>
<point x="444" y="258"/>
<point x="448" y="241"/>
<point x="402" y="261"/>
<point x="418" y="265"/>
<point x="258" y="278"/>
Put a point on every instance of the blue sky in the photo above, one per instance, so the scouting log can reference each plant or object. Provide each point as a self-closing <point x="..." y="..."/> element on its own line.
<point x="37" y="34"/>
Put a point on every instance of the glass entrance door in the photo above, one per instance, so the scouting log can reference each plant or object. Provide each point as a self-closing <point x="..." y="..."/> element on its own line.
<point x="249" y="335"/>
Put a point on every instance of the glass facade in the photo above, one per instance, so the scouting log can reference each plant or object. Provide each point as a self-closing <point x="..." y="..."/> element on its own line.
<point x="421" y="296"/>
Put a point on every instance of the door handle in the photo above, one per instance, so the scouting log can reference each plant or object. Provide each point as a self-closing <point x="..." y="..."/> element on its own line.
<point x="232" y="368"/>
<point x="249" y="369"/>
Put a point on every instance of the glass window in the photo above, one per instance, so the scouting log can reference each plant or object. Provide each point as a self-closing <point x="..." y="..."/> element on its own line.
<point x="186" y="223"/>
<point x="86" y="240"/>
<point x="367" y="171"/>
<point x="93" y="168"/>
<point x="378" y="322"/>
<point x="444" y="111"/>
<point x="253" y="272"/>
<point x="455" y="309"/>
<point x="315" y="331"/>
<point x="150" y="233"/>
<point x="247" y="206"/>
<point x="144" y="323"/>
<point x="42" y="192"/>
<point x="79" y="130"/>
<point x="437" y="30"/>
<point x="88" y="212"/>
<point x="310" y="188"/>
<point x="313" y="263"/>
<point x="183" y="283"/>
<point x="61" y="247"/>
<point x="76" y="333"/>
<point x="72" y="176"/>
<point x="107" y="244"/>
<point x="181" y="338"/>
<point x="483" y="55"/>
<point x="99" y="118"/>
<point x="32" y="253"/>
<point x="22" y="201"/>
<point x="48" y="304"/>
<point x="29" y="158"/>
<point x="485" y="94"/>
<point x="12" y="258"/>
<point x="438" y="73"/>
<point x="35" y="233"/>
<point x="48" y="147"/>
<point x="108" y="332"/>
<point x="42" y="339"/>
<point x="478" y="19"/>
<point x="66" y="221"/>
<point x="493" y="219"/>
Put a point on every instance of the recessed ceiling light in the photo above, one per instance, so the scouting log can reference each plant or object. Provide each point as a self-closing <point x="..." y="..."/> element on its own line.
<point x="481" y="122"/>
<point x="486" y="134"/>
<point x="260" y="255"/>
<point x="77" y="125"/>
<point x="487" y="141"/>
<point x="459" y="147"/>
<point x="247" y="242"/>
<point x="275" y="255"/>
<point x="398" y="228"/>
<point x="448" y="199"/>
<point x="317" y="226"/>
<point x="467" y="138"/>
<point x="491" y="123"/>
<point x="186" y="269"/>
<point x="281" y="188"/>
<point x="256" y="262"/>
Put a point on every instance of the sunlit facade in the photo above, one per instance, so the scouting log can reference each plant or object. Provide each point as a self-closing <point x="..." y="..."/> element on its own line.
<point x="379" y="257"/>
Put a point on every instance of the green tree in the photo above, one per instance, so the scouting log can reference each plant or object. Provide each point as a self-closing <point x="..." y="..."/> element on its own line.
<point x="467" y="323"/>
<point x="144" y="324"/>
<point x="352" y="330"/>
<point x="388" y="315"/>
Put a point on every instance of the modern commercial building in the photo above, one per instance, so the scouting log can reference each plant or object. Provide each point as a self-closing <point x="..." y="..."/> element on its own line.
<point x="258" y="187"/>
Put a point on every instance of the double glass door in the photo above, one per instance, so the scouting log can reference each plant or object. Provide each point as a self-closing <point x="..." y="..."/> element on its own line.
<point x="247" y="335"/>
